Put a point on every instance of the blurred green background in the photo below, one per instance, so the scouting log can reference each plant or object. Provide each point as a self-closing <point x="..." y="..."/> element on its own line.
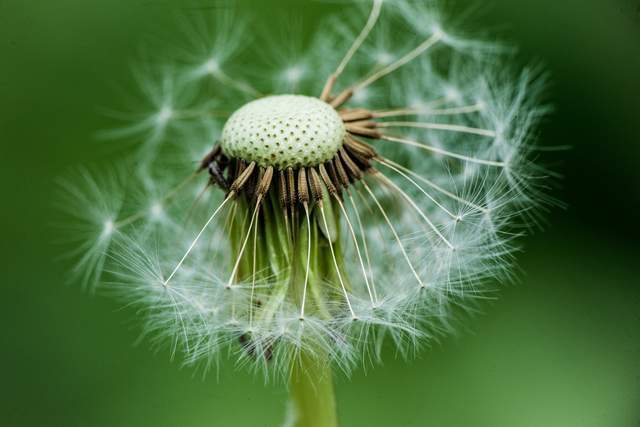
<point x="561" y="348"/>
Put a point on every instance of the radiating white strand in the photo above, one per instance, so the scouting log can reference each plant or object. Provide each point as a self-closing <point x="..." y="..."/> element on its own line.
<point x="423" y="47"/>
<point x="335" y="263"/>
<point x="364" y="244"/>
<point x="141" y="214"/>
<point x="244" y="87"/>
<point x="468" y="109"/>
<point x="437" y="187"/>
<point x="419" y="187"/>
<point x="371" y="22"/>
<point x="306" y="271"/>
<point x="407" y="111"/>
<point x="355" y="241"/>
<point x="426" y="111"/>
<point x="443" y="152"/>
<point x="395" y="234"/>
<point x="244" y="243"/>
<point x="441" y="126"/>
<point x="193" y="244"/>
<point x="417" y="209"/>
<point x="253" y="274"/>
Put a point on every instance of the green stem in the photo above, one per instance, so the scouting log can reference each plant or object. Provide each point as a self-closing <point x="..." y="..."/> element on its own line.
<point x="312" y="395"/>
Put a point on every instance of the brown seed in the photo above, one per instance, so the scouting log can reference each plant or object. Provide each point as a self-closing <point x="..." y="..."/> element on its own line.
<point x="352" y="169"/>
<point x="303" y="189"/>
<point x="342" y="174"/>
<point x="364" y="124"/>
<point x="210" y="157"/>
<point x="362" y="131"/>
<point x="342" y="98"/>
<point x="333" y="174"/>
<point x="360" y="147"/>
<point x="265" y="182"/>
<point x="292" y="185"/>
<point x="315" y="184"/>
<point x="282" y="189"/>
<point x="327" y="180"/>
<point x="243" y="177"/>
<point x="362" y="161"/>
<point x="355" y="115"/>
<point x="328" y="87"/>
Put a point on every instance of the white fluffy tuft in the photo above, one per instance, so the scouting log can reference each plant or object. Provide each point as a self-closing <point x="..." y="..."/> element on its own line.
<point x="435" y="229"/>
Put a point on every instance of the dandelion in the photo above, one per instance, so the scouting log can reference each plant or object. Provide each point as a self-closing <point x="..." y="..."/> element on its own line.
<point x="385" y="186"/>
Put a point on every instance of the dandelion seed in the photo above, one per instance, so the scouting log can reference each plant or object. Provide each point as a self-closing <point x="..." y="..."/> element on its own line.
<point x="212" y="66"/>
<point x="108" y="229"/>
<point x="294" y="74"/>
<point x="164" y="115"/>
<point x="156" y="211"/>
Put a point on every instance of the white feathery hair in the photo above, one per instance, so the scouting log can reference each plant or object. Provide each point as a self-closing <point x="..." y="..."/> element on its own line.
<point x="454" y="185"/>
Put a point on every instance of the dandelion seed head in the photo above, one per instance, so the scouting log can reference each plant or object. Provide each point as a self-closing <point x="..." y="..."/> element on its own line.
<point x="388" y="190"/>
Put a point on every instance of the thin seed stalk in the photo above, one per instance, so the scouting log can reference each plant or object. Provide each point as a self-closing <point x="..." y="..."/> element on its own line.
<point x="312" y="395"/>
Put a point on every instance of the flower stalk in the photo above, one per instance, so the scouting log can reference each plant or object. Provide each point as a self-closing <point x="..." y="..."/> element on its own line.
<point x="313" y="402"/>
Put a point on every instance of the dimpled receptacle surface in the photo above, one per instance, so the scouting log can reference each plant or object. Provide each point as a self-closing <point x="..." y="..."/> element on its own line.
<point x="284" y="131"/>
